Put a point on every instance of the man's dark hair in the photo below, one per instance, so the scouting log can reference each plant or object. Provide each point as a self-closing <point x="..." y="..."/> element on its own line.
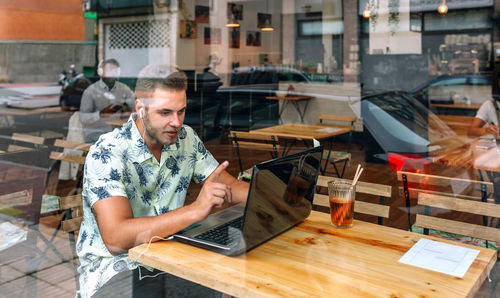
<point x="175" y="81"/>
<point x="110" y="61"/>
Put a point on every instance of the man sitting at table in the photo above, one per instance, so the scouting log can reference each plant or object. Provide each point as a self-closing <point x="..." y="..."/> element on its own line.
<point x="486" y="120"/>
<point x="135" y="184"/>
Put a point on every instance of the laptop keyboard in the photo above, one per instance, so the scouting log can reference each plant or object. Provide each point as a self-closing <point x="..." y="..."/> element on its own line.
<point x="223" y="234"/>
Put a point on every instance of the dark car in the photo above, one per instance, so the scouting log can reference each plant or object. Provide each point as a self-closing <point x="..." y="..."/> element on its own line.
<point x="396" y="124"/>
<point x="245" y="102"/>
<point x="468" y="89"/>
<point x="72" y="91"/>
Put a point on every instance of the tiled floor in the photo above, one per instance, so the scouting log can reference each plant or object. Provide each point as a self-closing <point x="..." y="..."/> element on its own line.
<point x="41" y="275"/>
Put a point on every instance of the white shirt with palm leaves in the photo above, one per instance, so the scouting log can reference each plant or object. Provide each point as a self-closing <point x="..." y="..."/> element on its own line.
<point x="120" y="164"/>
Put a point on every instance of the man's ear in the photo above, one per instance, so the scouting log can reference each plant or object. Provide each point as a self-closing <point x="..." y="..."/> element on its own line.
<point x="139" y="107"/>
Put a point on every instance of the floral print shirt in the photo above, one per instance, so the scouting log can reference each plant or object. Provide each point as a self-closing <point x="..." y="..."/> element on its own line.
<point x="120" y="164"/>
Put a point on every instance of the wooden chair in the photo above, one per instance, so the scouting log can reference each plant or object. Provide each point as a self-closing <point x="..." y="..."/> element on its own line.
<point x="71" y="205"/>
<point x="335" y="157"/>
<point x="380" y="210"/>
<point x="68" y="157"/>
<point x="412" y="184"/>
<point x="64" y="202"/>
<point x="34" y="141"/>
<point x="253" y="141"/>
<point x="487" y="209"/>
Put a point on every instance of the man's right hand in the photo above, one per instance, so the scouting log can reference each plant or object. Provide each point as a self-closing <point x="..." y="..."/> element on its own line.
<point x="107" y="111"/>
<point x="212" y="194"/>
<point x="492" y="129"/>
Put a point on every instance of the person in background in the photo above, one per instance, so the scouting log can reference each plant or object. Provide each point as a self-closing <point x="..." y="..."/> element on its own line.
<point x="134" y="188"/>
<point x="486" y="120"/>
<point x="105" y="100"/>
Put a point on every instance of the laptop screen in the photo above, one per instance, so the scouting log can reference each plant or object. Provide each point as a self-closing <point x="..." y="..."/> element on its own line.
<point x="282" y="192"/>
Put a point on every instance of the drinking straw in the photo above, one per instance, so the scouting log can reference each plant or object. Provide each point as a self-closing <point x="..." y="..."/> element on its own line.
<point x="357" y="177"/>
<point x="359" y="170"/>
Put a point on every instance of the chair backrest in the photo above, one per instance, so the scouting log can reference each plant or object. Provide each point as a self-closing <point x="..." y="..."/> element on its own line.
<point x="253" y="141"/>
<point x="343" y="120"/>
<point x="73" y="206"/>
<point x="460" y="205"/>
<point x="72" y="145"/>
<point x="36" y="142"/>
<point x="69" y="156"/>
<point x="382" y="191"/>
<point x="412" y="184"/>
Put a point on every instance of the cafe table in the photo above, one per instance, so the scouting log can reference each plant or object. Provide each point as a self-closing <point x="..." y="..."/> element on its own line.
<point x="316" y="259"/>
<point x="304" y="132"/>
<point x="293" y="100"/>
<point x="482" y="154"/>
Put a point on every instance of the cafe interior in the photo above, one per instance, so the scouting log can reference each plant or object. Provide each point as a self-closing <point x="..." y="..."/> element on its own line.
<point x="381" y="95"/>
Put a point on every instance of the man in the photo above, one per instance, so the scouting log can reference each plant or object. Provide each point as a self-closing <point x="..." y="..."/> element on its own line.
<point x="104" y="100"/>
<point x="486" y="120"/>
<point x="136" y="179"/>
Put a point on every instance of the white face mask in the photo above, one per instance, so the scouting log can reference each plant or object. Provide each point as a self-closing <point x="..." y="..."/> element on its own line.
<point x="111" y="71"/>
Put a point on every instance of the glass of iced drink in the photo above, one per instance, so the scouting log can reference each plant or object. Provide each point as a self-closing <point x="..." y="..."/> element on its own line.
<point x="341" y="193"/>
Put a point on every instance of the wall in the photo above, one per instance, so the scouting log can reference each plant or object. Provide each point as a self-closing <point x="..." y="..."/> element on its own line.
<point x="42" y="61"/>
<point x="194" y="53"/>
<point x="41" y="20"/>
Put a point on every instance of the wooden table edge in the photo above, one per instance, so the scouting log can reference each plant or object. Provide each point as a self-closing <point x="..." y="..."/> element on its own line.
<point x="324" y="135"/>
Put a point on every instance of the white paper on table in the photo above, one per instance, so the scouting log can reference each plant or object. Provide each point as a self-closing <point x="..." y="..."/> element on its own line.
<point x="328" y="129"/>
<point x="441" y="257"/>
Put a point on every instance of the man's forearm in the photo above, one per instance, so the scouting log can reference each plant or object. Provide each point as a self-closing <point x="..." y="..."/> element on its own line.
<point x="122" y="234"/>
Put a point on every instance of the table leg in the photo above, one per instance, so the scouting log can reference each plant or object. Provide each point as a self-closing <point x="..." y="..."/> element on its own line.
<point x="323" y="170"/>
<point x="281" y="110"/>
<point x="301" y="113"/>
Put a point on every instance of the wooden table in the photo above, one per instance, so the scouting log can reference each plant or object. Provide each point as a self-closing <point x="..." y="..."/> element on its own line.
<point x="294" y="100"/>
<point x="315" y="259"/>
<point x="455" y="106"/>
<point x="304" y="131"/>
<point x="118" y="122"/>
<point x="473" y="154"/>
<point x="456" y="109"/>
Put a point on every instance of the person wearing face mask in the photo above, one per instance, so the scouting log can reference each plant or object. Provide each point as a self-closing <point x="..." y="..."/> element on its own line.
<point x="104" y="100"/>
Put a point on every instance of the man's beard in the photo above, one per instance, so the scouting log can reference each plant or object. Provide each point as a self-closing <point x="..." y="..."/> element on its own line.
<point x="153" y="133"/>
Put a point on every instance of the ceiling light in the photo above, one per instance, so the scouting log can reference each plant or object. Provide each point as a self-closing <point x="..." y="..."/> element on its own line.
<point x="366" y="12"/>
<point x="443" y="8"/>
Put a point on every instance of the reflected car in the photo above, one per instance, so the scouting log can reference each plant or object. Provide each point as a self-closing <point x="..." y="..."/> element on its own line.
<point x="245" y="102"/>
<point x="398" y="127"/>
<point x="472" y="89"/>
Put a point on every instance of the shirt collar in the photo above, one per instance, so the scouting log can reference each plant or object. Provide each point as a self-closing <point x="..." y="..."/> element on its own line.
<point x="103" y="85"/>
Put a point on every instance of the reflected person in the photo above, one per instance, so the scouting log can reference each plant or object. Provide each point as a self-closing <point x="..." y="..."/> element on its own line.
<point x="486" y="120"/>
<point x="135" y="183"/>
<point x="104" y="100"/>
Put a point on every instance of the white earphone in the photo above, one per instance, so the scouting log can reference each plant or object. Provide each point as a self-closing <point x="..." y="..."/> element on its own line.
<point x="141" y="113"/>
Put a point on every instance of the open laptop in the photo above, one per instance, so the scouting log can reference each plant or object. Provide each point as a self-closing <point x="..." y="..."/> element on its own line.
<point x="280" y="197"/>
